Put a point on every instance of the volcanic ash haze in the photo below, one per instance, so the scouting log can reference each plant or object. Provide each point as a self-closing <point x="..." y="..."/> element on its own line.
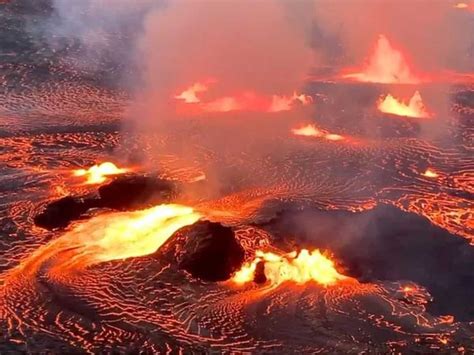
<point x="240" y="46"/>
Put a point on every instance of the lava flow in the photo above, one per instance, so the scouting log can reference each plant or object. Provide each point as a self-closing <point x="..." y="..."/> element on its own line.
<point x="311" y="131"/>
<point x="113" y="236"/>
<point x="386" y="65"/>
<point x="97" y="174"/>
<point x="299" y="267"/>
<point x="414" y="108"/>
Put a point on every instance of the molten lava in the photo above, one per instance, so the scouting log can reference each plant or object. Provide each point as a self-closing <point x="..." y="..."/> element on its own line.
<point x="113" y="236"/>
<point x="189" y="95"/>
<point x="244" y="101"/>
<point x="299" y="267"/>
<point x="386" y="65"/>
<point x="311" y="131"/>
<point x="97" y="174"/>
<point x="464" y="6"/>
<point x="414" y="108"/>
<point x="307" y="131"/>
<point x="430" y="173"/>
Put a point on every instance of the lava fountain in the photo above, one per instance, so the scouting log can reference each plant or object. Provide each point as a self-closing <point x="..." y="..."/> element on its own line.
<point x="97" y="174"/>
<point x="299" y="267"/>
<point x="414" y="108"/>
<point x="386" y="65"/>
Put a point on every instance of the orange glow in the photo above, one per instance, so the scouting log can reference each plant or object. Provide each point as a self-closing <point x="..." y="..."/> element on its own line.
<point x="464" y="6"/>
<point x="285" y="103"/>
<point x="97" y="174"/>
<point x="307" y="131"/>
<point x="311" y="131"/>
<point x="386" y="65"/>
<point x="299" y="267"/>
<point x="430" y="173"/>
<point x="189" y="95"/>
<point x="245" y="101"/>
<point x="414" y="108"/>
<point x="252" y="102"/>
<point x="333" y="137"/>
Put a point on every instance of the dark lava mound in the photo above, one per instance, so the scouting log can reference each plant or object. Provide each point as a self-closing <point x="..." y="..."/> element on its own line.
<point x="388" y="244"/>
<point x="131" y="192"/>
<point x="211" y="251"/>
<point x="59" y="213"/>
<point x="123" y="193"/>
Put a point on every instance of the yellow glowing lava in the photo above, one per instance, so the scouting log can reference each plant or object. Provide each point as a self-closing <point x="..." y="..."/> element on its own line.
<point x="296" y="267"/>
<point x="190" y="94"/>
<point x="311" y="131"/>
<point x="111" y="236"/>
<point x="464" y="6"/>
<point x="124" y="235"/>
<point x="430" y="173"/>
<point x="414" y="108"/>
<point x="333" y="137"/>
<point x="97" y="174"/>
<point x="307" y="131"/>
<point x="286" y="103"/>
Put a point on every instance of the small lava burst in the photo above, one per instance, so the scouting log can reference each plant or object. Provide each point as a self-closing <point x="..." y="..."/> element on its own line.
<point x="97" y="174"/>
<point x="307" y="131"/>
<point x="299" y="267"/>
<point x="189" y="95"/>
<point x="464" y="6"/>
<point x="386" y="65"/>
<point x="414" y="108"/>
<point x="430" y="173"/>
<point x="312" y="131"/>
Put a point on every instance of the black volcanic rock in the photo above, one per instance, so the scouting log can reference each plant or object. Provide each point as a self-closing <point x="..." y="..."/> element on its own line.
<point x="124" y="193"/>
<point x="211" y="252"/>
<point x="131" y="192"/>
<point x="60" y="213"/>
<point x="260" y="277"/>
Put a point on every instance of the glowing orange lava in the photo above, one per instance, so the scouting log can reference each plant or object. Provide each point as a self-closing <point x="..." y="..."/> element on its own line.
<point x="430" y="173"/>
<point x="97" y="174"/>
<point x="299" y="267"/>
<point x="112" y="236"/>
<point x="307" y="131"/>
<point x="464" y="6"/>
<point x="189" y="95"/>
<point x="311" y="131"/>
<point x="386" y="65"/>
<point x="414" y="108"/>
<point x="244" y="101"/>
